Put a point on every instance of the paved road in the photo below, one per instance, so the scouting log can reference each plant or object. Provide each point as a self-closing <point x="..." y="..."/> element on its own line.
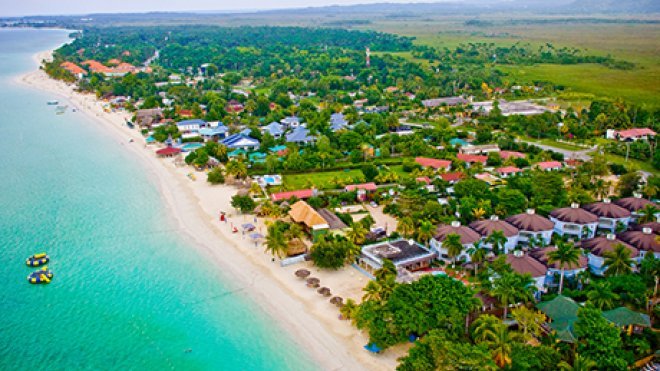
<point x="568" y="154"/>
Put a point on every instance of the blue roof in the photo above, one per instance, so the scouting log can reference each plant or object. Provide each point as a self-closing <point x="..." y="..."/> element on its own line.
<point x="337" y="122"/>
<point x="274" y="128"/>
<point x="150" y="139"/>
<point x="281" y="147"/>
<point x="290" y="120"/>
<point x="246" y="131"/>
<point x="191" y="122"/>
<point x="299" y="135"/>
<point x="240" y="140"/>
<point x="219" y="130"/>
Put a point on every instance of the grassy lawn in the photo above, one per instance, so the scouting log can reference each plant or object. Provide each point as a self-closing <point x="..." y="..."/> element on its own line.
<point x="632" y="163"/>
<point x="550" y="142"/>
<point x="320" y="180"/>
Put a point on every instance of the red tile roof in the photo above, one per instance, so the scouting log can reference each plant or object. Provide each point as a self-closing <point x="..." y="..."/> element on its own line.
<point x="636" y="132"/>
<point x="432" y="162"/>
<point x="452" y="177"/>
<point x="508" y="154"/>
<point x="508" y="170"/>
<point x="472" y="158"/>
<point x="96" y="66"/>
<point x="423" y="179"/>
<point x="526" y="264"/>
<point x="549" y="165"/>
<point x="365" y="186"/>
<point x="72" y="68"/>
<point x="300" y="194"/>
<point x="168" y="151"/>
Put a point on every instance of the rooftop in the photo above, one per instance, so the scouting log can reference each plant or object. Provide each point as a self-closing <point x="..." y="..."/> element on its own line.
<point x="487" y="226"/>
<point x="523" y="263"/>
<point x="600" y="245"/>
<point x="542" y="256"/>
<point x="433" y="163"/>
<point x="607" y="209"/>
<point x="574" y="214"/>
<point x="531" y="222"/>
<point x="468" y="236"/>
<point x="300" y="194"/>
<point x="400" y="251"/>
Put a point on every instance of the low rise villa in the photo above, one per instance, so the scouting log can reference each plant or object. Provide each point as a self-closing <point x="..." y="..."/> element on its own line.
<point x="524" y="264"/>
<point x="486" y="227"/>
<point x="574" y="221"/>
<point x="644" y="240"/>
<point x="467" y="235"/>
<point x="597" y="248"/>
<point x="554" y="269"/>
<point x="610" y="216"/>
<point x="407" y="254"/>
<point x="635" y="204"/>
<point x="532" y="227"/>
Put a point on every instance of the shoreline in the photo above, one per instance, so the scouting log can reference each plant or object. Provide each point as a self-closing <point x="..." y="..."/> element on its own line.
<point x="311" y="321"/>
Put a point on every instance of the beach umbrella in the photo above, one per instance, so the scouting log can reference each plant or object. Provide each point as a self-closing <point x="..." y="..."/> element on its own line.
<point x="302" y="273"/>
<point x="324" y="291"/>
<point x="337" y="300"/>
<point x="248" y="226"/>
<point x="256" y="236"/>
<point x="313" y="282"/>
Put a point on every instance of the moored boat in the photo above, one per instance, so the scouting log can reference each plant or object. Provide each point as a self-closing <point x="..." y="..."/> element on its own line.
<point x="52" y="103"/>
<point x="43" y="275"/>
<point x="37" y="260"/>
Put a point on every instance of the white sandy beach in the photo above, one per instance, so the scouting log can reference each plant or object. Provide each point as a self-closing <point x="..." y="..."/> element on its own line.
<point x="309" y="318"/>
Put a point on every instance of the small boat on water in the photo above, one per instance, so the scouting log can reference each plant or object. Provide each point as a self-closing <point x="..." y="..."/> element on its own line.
<point x="61" y="109"/>
<point x="42" y="276"/>
<point x="52" y="103"/>
<point x="37" y="260"/>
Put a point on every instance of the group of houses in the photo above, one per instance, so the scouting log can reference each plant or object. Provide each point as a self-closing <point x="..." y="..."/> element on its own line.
<point x="114" y="68"/>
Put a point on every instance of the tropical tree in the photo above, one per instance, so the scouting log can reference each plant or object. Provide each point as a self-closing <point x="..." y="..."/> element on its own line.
<point x="478" y="213"/>
<point x="348" y="309"/>
<point x="618" y="261"/>
<point x="601" y="188"/>
<point x="454" y="247"/>
<point x="566" y="255"/>
<point x="371" y="291"/>
<point x="255" y="189"/>
<point x="648" y="214"/>
<point x="510" y="288"/>
<point x="501" y="347"/>
<point x="529" y="321"/>
<point x="579" y="364"/>
<point x="406" y="226"/>
<point x="485" y="328"/>
<point x="357" y="233"/>
<point x="236" y="169"/>
<point x="275" y="241"/>
<point x="477" y="255"/>
<point x="425" y="231"/>
<point x="498" y="240"/>
<point x="602" y="296"/>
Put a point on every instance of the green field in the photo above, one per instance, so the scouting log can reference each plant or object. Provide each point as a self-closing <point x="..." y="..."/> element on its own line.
<point x="326" y="180"/>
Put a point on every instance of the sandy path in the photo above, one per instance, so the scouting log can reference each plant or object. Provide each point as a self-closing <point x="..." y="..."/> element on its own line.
<point x="309" y="318"/>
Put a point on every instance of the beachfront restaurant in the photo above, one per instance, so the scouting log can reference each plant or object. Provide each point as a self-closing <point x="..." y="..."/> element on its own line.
<point x="405" y="254"/>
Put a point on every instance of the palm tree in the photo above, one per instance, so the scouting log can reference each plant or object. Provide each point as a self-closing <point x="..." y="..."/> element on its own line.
<point x="275" y="242"/>
<point x="648" y="214"/>
<point x="601" y="188"/>
<point x="497" y="240"/>
<point x="618" y="261"/>
<point x="425" y="231"/>
<point x="602" y="296"/>
<point x="357" y="233"/>
<point x="453" y="245"/>
<point x="485" y="327"/>
<point x="255" y="188"/>
<point x="511" y="288"/>
<point x="501" y="347"/>
<point x="349" y="309"/>
<point x="371" y="291"/>
<point x="237" y="169"/>
<point x="406" y="226"/>
<point x="579" y="364"/>
<point x="477" y="255"/>
<point x="566" y="255"/>
<point x="478" y="213"/>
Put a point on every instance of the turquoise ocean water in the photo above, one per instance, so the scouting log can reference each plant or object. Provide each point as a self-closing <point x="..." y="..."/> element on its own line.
<point x="127" y="293"/>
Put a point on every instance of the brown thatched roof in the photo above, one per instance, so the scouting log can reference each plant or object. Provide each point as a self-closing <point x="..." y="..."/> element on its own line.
<point x="606" y="209"/>
<point x="643" y="240"/>
<point x="487" y="227"/>
<point x="468" y="236"/>
<point x="296" y="247"/>
<point x="301" y="212"/>
<point x="574" y="214"/>
<point x="634" y="203"/>
<point x="600" y="245"/>
<point x="530" y="222"/>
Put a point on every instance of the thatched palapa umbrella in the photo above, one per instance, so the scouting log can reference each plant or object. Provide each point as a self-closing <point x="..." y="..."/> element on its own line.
<point x="337" y="300"/>
<point x="313" y="282"/>
<point x="324" y="291"/>
<point x="302" y="273"/>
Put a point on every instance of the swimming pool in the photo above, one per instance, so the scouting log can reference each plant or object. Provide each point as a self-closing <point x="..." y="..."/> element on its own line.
<point x="188" y="147"/>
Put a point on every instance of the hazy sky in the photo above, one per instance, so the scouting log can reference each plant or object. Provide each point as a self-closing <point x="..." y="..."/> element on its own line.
<point x="49" y="7"/>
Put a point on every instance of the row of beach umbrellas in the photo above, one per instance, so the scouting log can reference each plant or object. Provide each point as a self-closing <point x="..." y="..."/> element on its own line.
<point x="314" y="282"/>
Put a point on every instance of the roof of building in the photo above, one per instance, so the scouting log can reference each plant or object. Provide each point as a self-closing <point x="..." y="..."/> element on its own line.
<point x="623" y="316"/>
<point x="468" y="236"/>
<point x="542" y="256"/>
<point x="332" y="219"/>
<point x="607" y="209"/>
<point x="302" y="212"/>
<point x="487" y="226"/>
<point x="168" y="151"/>
<point x="337" y="122"/>
<point x="240" y="140"/>
<point x="574" y="214"/>
<point x="523" y="263"/>
<point x="449" y="101"/>
<point x="634" y="203"/>
<point x="366" y="186"/>
<point x="655" y="227"/>
<point x="274" y="128"/>
<point x="602" y="244"/>
<point x="300" y="194"/>
<point x="452" y="177"/>
<point x="433" y="162"/>
<point x="635" y="132"/>
<point x="545" y="165"/>
<point x="508" y="154"/>
<point x="290" y="120"/>
<point x="199" y="122"/>
<point x="508" y="170"/>
<point x="472" y="158"/>
<point x="397" y="251"/>
<point x="299" y="135"/>
<point x="530" y="221"/>
<point x="72" y="68"/>
<point x="561" y="308"/>
<point x="218" y="130"/>
<point x="423" y="179"/>
<point x="645" y="239"/>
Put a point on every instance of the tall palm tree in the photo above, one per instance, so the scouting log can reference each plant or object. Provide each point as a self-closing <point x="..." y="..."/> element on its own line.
<point x="453" y="245"/>
<point x="406" y="226"/>
<point x="357" y="233"/>
<point x="602" y="296"/>
<point x="349" y="309"/>
<point x="478" y="213"/>
<point x="566" y="255"/>
<point x="275" y="242"/>
<point x="648" y="214"/>
<point x="579" y="364"/>
<point x="501" y="347"/>
<point x="512" y="288"/>
<point x="498" y="240"/>
<point x="425" y="231"/>
<point x="371" y="291"/>
<point x="485" y="327"/>
<point x="601" y="188"/>
<point x="618" y="261"/>
<point x="477" y="255"/>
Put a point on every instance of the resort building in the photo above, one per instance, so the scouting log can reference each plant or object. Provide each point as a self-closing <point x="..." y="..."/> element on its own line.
<point x="301" y="194"/>
<point x="554" y="269"/>
<point x="598" y="246"/>
<point x="363" y="190"/>
<point x="300" y="135"/>
<point x="190" y="126"/>
<point x="467" y="235"/>
<point x="486" y="227"/>
<point x="549" y="166"/>
<point x="144" y="118"/>
<point x="611" y="217"/>
<point x="301" y="212"/>
<point x="433" y="163"/>
<point x="522" y="263"/>
<point x="446" y="101"/>
<point x="168" y="152"/>
<point x="505" y="155"/>
<point x="574" y="221"/>
<point x="275" y="129"/>
<point x="472" y="159"/>
<point x="291" y="121"/>
<point x="654" y="226"/>
<point x="214" y="134"/>
<point x="338" y="122"/>
<point x="241" y="141"/>
<point x="472" y="149"/>
<point x="631" y="135"/>
<point x="452" y="178"/>
<point x="643" y="240"/>
<point x="407" y="254"/>
<point x="74" y="69"/>
<point x="508" y="171"/>
<point x="532" y="227"/>
<point x="635" y="204"/>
